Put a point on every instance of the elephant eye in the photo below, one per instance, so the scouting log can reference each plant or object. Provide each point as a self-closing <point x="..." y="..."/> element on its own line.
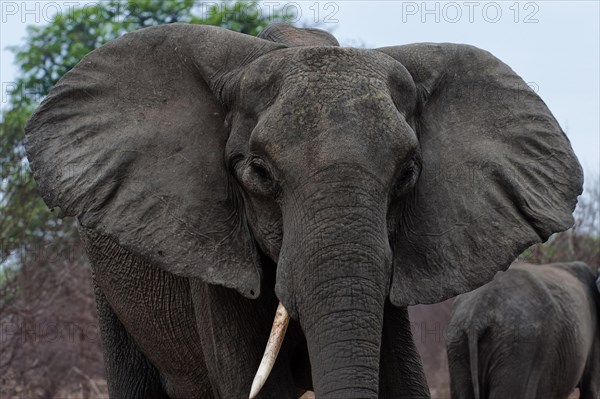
<point x="407" y="178"/>
<point x="261" y="171"/>
<point x="257" y="178"/>
<point x="408" y="173"/>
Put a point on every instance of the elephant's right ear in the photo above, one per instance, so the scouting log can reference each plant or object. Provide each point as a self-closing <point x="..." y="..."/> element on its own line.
<point x="131" y="141"/>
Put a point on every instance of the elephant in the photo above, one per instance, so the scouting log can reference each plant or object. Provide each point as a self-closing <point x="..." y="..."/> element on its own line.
<point x="533" y="332"/>
<point x="223" y="181"/>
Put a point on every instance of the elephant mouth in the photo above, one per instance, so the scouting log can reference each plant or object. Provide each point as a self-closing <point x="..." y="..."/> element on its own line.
<point x="280" y="324"/>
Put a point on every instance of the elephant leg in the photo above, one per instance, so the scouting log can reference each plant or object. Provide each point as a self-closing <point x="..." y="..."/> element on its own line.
<point x="461" y="376"/>
<point x="156" y="315"/>
<point x="401" y="372"/>
<point x="234" y="331"/>
<point x="589" y="386"/>
<point x="129" y="373"/>
<point x="529" y="372"/>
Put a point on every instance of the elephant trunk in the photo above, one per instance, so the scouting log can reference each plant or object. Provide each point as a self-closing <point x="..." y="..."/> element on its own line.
<point x="336" y="265"/>
<point x="344" y="338"/>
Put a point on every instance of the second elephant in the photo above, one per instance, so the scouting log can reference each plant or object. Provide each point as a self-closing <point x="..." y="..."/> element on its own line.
<point x="531" y="333"/>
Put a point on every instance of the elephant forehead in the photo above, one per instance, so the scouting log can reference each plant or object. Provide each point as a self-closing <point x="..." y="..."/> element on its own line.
<point x="360" y="125"/>
<point x="334" y="95"/>
<point x="322" y="71"/>
<point x="336" y="60"/>
<point x="323" y="60"/>
<point x="329" y="105"/>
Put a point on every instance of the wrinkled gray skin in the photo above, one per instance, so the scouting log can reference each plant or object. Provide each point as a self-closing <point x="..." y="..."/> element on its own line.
<point x="531" y="333"/>
<point x="215" y="174"/>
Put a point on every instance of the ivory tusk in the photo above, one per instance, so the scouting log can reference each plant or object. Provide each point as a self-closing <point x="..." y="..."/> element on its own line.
<point x="278" y="330"/>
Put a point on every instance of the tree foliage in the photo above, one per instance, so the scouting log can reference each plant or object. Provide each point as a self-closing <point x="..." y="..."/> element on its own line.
<point x="51" y="50"/>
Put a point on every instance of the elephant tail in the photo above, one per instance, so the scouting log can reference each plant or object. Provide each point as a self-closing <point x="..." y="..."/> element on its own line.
<point x="472" y="337"/>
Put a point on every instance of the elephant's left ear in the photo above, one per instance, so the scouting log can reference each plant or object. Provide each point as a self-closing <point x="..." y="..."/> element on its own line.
<point x="498" y="173"/>
<point x="132" y="142"/>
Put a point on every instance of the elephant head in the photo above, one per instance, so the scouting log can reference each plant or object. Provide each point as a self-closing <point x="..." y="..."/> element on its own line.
<point x="409" y="173"/>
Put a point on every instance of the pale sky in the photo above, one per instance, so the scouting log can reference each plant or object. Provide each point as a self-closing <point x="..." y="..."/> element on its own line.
<point x="553" y="45"/>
